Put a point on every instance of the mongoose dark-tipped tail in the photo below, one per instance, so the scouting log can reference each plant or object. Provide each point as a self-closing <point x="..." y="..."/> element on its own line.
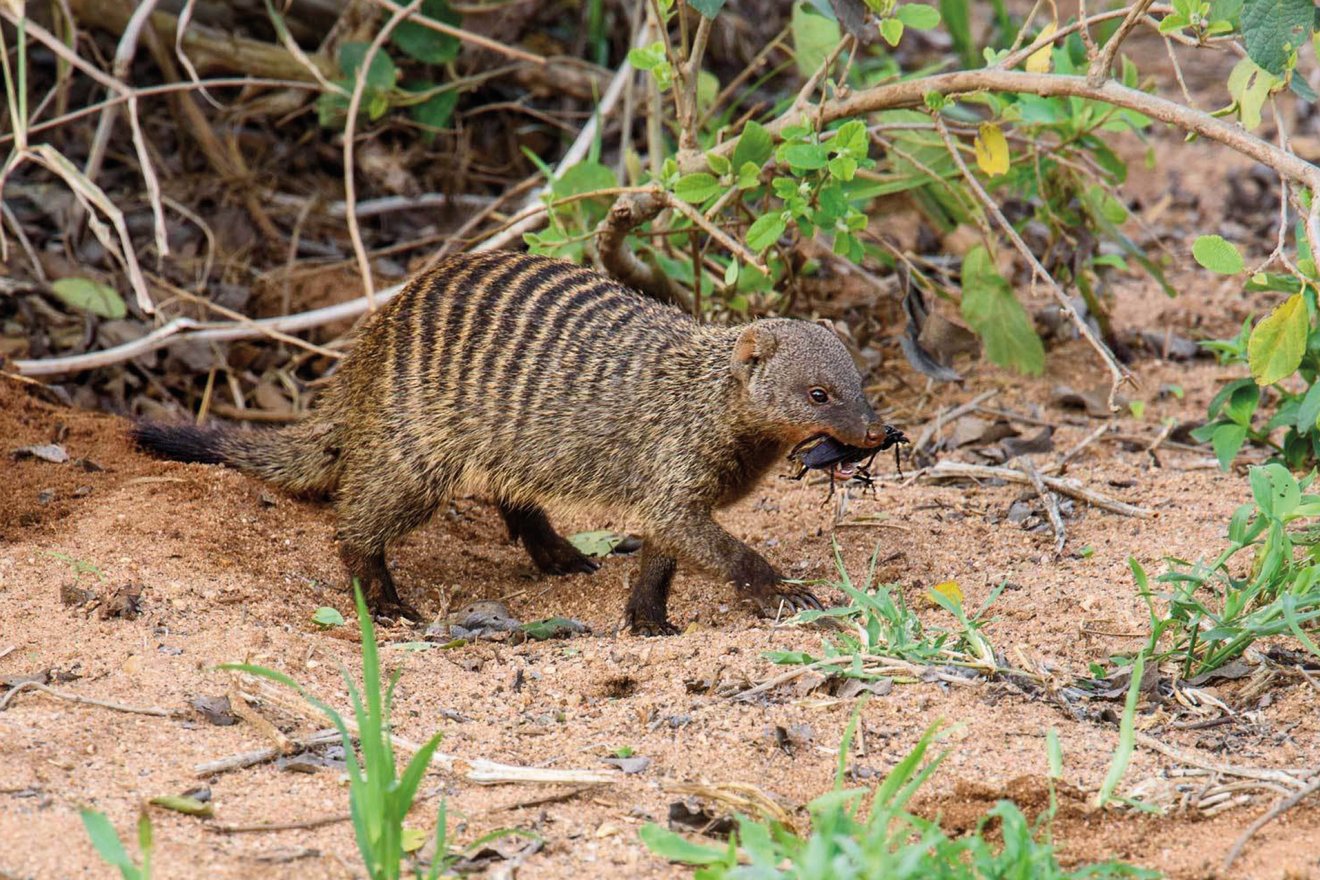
<point x="302" y="458"/>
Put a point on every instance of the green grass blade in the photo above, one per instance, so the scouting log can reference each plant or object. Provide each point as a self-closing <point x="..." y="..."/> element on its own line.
<point x="1126" y="734"/>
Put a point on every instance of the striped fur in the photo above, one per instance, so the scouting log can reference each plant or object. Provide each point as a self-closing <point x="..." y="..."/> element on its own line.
<point x="540" y="383"/>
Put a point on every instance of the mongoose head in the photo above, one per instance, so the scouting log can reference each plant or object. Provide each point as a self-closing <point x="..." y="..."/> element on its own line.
<point x="800" y="381"/>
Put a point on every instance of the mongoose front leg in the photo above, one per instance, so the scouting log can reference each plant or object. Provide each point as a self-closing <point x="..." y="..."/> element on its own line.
<point x="646" y="614"/>
<point x="695" y="536"/>
<point x="551" y="551"/>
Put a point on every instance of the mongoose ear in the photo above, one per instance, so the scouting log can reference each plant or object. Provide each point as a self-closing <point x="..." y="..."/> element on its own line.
<point x="754" y="345"/>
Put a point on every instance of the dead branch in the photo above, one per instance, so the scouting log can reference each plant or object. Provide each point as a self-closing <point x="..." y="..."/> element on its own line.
<point x="350" y="126"/>
<point x="956" y="470"/>
<point x="1275" y="812"/>
<point x="1049" y="499"/>
<point x="86" y="701"/>
<point x="1101" y="66"/>
<point x="209" y="50"/>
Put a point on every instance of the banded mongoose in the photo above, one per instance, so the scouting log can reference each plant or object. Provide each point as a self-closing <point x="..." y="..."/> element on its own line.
<point x="538" y="382"/>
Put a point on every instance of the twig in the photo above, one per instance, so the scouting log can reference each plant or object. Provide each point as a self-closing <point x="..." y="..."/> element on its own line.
<point x="575" y="154"/>
<point x="260" y="756"/>
<point x="954" y="470"/>
<point x="300" y="825"/>
<point x="1265" y="774"/>
<point x="949" y="415"/>
<point x="913" y="92"/>
<point x="1100" y="67"/>
<point x="686" y="93"/>
<point x="1078" y="449"/>
<point x="350" y="126"/>
<point x="467" y="36"/>
<point x="120" y="69"/>
<point x="1275" y="812"/>
<point x="1118" y="373"/>
<point x="86" y="701"/>
<point x="1047" y="498"/>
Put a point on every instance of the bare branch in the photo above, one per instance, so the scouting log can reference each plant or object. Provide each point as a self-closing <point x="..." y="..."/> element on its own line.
<point x="350" y="126"/>
<point x="1100" y="67"/>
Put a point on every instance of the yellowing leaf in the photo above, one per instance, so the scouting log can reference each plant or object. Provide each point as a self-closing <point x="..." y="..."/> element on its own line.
<point x="949" y="590"/>
<point x="1276" y="345"/>
<point x="413" y="839"/>
<point x="991" y="150"/>
<point x="1039" y="61"/>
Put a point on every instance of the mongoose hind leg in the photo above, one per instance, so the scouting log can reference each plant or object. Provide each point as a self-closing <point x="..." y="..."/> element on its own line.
<point x="551" y="551"/>
<point x="372" y="575"/>
<point x="374" y="509"/>
<point x="647" y="613"/>
<point x="692" y="534"/>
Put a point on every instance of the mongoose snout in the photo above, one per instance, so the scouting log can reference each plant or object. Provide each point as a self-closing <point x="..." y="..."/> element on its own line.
<point x="543" y="384"/>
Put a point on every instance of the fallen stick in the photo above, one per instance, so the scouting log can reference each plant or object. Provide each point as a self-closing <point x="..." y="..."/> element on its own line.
<point x="1049" y="499"/>
<point x="952" y="470"/>
<point x="1275" y="812"/>
<point x="86" y="701"/>
<point x="948" y="415"/>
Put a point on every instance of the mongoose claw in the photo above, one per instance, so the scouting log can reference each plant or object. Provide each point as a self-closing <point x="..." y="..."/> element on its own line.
<point x="386" y="610"/>
<point x="651" y="628"/>
<point x="561" y="557"/>
<point x="788" y="599"/>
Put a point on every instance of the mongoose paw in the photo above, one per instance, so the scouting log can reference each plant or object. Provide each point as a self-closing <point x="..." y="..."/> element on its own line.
<point x="560" y="557"/>
<point x="787" y="599"/>
<point x="387" y="610"/>
<point x="651" y="628"/>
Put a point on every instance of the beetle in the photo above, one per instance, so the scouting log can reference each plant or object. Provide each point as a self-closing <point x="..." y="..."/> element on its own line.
<point x="843" y="462"/>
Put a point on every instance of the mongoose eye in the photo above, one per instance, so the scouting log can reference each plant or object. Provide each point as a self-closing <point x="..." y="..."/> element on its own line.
<point x="819" y="395"/>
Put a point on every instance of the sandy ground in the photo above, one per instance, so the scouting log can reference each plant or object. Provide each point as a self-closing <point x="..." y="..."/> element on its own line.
<point x="232" y="571"/>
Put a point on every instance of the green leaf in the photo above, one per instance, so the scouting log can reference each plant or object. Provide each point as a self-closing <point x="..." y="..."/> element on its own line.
<point x="1274" y="30"/>
<point x="436" y="110"/>
<point x="718" y="164"/>
<point x="327" y="617"/>
<point x="424" y="44"/>
<point x="582" y="178"/>
<point x="754" y="145"/>
<point x="382" y="74"/>
<point x="803" y="157"/>
<point x="91" y="296"/>
<point x="1217" y="254"/>
<point x="918" y="16"/>
<point x="1227" y="440"/>
<point x="892" y="30"/>
<point x="1242" y="402"/>
<point x="647" y="57"/>
<point x="106" y="841"/>
<point x="1276" y="346"/>
<point x="189" y="806"/>
<point x="1275" y="490"/>
<point x="989" y="306"/>
<point x="669" y="845"/>
<point x="814" y="37"/>
<point x="697" y="188"/>
<point x="1308" y="414"/>
<point x="708" y="8"/>
<point x="766" y="231"/>
<point x="598" y="544"/>
<point x="552" y="628"/>
<point x="843" y="167"/>
<point x="749" y="175"/>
